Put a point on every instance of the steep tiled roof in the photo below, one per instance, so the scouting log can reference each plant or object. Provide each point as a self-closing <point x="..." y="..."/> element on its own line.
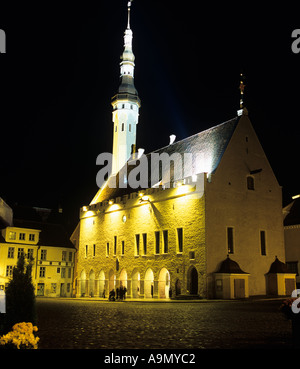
<point x="204" y="152"/>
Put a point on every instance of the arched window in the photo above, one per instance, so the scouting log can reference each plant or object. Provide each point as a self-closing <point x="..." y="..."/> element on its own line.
<point x="250" y="183"/>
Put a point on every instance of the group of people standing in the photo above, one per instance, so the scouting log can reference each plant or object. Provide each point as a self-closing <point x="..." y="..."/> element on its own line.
<point x="119" y="294"/>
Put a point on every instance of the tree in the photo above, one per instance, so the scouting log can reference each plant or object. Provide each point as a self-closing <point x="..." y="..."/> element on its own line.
<point x="20" y="297"/>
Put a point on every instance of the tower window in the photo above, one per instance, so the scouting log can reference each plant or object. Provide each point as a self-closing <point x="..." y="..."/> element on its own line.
<point x="116" y="128"/>
<point x="129" y="127"/>
<point x="230" y="242"/>
<point x="250" y="183"/>
<point x="122" y="127"/>
<point x="263" y="242"/>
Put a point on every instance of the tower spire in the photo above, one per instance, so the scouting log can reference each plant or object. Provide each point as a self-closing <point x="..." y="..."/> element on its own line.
<point x="126" y="104"/>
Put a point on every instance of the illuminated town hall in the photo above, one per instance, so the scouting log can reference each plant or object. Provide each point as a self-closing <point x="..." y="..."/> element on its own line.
<point x="215" y="231"/>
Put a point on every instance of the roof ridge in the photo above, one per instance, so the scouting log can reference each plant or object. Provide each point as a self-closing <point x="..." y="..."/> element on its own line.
<point x="196" y="134"/>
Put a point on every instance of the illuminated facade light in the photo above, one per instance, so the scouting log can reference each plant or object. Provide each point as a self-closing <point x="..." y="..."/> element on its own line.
<point x="110" y="202"/>
<point x="84" y="208"/>
<point x="296" y="197"/>
<point x="144" y="198"/>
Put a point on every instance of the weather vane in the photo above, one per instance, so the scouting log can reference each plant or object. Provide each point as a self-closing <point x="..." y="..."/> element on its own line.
<point x="241" y="88"/>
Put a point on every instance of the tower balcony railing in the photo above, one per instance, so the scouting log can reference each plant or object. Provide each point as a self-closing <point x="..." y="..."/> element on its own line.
<point x="126" y="97"/>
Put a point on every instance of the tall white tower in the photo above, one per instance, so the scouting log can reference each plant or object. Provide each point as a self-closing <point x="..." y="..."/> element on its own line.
<point x="126" y="104"/>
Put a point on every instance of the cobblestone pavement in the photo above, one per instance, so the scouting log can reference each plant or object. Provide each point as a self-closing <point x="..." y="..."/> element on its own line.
<point x="84" y="324"/>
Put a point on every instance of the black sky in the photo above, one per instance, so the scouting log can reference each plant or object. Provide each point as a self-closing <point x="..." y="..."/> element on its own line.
<point x="62" y="68"/>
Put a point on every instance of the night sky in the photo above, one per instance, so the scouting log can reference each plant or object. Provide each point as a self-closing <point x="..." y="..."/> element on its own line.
<point x="62" y="68"/>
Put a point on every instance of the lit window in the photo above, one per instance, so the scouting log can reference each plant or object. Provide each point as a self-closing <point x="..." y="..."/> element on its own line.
<point x="12" y="235"/>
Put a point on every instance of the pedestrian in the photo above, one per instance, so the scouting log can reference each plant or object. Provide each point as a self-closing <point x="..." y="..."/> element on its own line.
<point x="121" y="292"/>
<point x="103" y="295"/>
<point x="118" y="291"/>
<point x="170" y="292"/>
<point x="124" y="292"/>
<point x="152" y="290"/>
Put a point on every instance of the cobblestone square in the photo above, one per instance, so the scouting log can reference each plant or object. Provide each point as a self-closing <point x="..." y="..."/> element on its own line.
<point x="94" y="324"/>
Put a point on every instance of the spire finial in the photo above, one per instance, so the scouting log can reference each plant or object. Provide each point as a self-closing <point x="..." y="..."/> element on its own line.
<point x="241" y="88"/>
<point x="128" y="6"/>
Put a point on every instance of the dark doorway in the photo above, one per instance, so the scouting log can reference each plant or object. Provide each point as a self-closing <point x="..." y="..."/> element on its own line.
<point x="178" y="288"/>
<point x="193" y="281"/>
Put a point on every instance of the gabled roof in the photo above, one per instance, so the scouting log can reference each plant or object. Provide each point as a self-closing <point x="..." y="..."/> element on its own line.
<point x="207" y="148"/>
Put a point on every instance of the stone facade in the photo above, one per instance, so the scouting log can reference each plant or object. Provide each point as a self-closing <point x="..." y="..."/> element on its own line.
<point x="119" y="243"/>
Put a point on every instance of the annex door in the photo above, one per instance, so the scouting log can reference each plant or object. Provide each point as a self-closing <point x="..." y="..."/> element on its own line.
<point x="40" y="289"/>
<point x="239" y="288"/>
<point x="62" y="290"/>
<point x="289" y="286"/>
<point x="193" y="281"/>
